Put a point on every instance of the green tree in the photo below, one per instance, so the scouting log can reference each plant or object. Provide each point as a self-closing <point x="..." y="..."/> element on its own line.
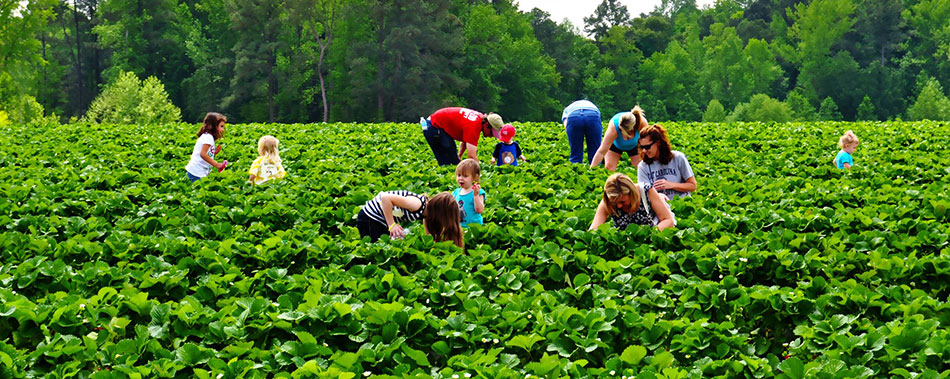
<point x="761" y="108"/>
<point x="608" y="13"/>
<point x="760" y="65"/>
<point x="725" y="73"/>
<point x="828" y="110"/>
<point x="817" y="27"/>
<point x="652" y="34"/>
<point x="714" y="112"/>
<point x="929" y="45"/>
<point x="866" y="110"/>
<point x="670" y="80"/>
<point x="320" y="18"/>
<point x="505" y="65"/>
<point x="601" y="87"/>
<point x="128" y="100"/>
<point x="258" y="25"/>
<point x="572" y="53"/>
<point x="20" y="23"/>
<point x="801" y="108"/>
<point x="931" y="104"/>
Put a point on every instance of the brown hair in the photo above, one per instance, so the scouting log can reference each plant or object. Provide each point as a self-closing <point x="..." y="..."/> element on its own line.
<point x="657" y="134"/>
<point x="469" y="167"/>
<point x="210" y="125"/>
<point x="443" y="219"/>
<point x="616" y="185"/>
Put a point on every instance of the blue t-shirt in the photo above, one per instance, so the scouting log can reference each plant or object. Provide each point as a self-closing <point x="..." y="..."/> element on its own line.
<point x="620" y="142"/>
<point x="467" y="206"/>
<point x="842" y="158"/>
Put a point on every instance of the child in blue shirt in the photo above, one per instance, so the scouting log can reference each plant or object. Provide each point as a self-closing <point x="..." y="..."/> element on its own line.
<point x="471" y="197"/>
<point x="506" y="151"/>
<point x="848" y="142"/>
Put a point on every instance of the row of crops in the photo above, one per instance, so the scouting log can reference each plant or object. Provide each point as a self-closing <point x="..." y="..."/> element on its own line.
<point x="114" y="265"/>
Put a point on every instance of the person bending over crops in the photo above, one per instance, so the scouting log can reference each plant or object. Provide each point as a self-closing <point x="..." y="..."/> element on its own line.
<point x="202" y="156"/>
<point x="625" y="202"/>
<point x="623" y="132"/>
<point x="666" y="169"/>
<point x="448" y="125"/>
<point x="384" y="213"/>
<point x="582" y="123"/>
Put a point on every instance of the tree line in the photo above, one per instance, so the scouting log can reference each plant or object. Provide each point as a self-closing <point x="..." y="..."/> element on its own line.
<point x="396" y="60"/>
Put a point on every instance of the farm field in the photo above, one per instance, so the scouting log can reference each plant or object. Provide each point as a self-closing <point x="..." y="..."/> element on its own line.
<point x="114" y="265"/>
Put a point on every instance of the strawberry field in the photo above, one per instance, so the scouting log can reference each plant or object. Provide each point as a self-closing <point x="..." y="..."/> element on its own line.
<point x="114" y="265"/>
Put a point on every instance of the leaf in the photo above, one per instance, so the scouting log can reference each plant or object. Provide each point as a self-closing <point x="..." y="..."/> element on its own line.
<point x="633" y="354"/>
<point x="416" y="355"/>
<point x="581" y="279"/>
<point x="441" y="347"/>
<point x="524" y="342"/>
<point x="793" y="368"/>
<point x="190" y="354"/>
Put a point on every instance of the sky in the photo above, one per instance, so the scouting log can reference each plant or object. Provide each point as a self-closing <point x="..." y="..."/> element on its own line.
<point x="576" y="10"/>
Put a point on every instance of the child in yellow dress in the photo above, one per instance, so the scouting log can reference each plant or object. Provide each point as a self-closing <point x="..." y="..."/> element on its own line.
<point x="267" y="166"/>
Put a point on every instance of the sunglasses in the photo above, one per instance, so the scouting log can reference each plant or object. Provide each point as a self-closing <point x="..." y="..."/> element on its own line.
<point x="646" y="147"/>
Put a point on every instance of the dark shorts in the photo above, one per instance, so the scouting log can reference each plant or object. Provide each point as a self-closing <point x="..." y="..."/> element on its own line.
<point x="369" y="227"/>
<point x="191" y="177"/>
<point x="632" y="152"/>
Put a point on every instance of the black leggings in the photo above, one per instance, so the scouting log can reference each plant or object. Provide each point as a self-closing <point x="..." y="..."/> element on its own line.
<point x="369" y="227"/>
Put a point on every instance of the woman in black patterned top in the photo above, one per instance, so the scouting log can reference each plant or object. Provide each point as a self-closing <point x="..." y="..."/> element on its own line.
<point x="384" y="213"/>
<point x="624" y="203"/>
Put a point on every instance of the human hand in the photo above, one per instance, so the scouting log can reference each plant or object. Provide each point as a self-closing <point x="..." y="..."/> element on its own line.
<point x="396" y="231"/>
<point x="664" y="197"/>
<point x="217" y="149"/>
<point x="476" y="188"/>
<point x="222" y="165"/>
<point x="493" y="160"/>
<point x="662" y="184"/>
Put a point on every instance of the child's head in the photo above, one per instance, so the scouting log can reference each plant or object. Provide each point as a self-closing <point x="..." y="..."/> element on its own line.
<point x="632" y="122"/>
<point x="620" y="191"/>
<point x="507" y="133"/>
<point x="848" y="141"/>
<point x="213" y="124"/>
<point x="467" y="173"/>
<point x="267" y="147"/>
<point x="443" y="219"/>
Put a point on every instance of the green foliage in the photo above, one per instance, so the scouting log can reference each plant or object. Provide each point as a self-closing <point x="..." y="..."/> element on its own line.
<point x="780" y="265"/>
<point x="128" y="100"/>
<point x="828" y="110"/>
<point x="601" y="88"/>
<point x="761" y="108"/>
<point x="866" y="110"/>
<point x="714" y="112"/>
<point x="931" y="104"/>
<point x="22" y="109"/>
<point x="801" y="108"/>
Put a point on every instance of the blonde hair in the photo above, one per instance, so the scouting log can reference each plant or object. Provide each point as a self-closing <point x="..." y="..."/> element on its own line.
<point x="616" y="185"/>
<point x="267" y="148"/>
<point x="847" y="140"/>
<point x="469" y="167"/>
<point x="630" y="122"/>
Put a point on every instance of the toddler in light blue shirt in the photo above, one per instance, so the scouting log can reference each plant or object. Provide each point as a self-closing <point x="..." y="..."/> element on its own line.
<point x="848" y="142"/>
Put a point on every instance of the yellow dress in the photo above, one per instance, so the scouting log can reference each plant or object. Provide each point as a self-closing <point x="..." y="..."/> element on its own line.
<point x="265" y="169"/>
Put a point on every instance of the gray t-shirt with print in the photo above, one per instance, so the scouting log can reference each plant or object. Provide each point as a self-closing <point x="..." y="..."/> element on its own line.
<point x="677" y="171"/>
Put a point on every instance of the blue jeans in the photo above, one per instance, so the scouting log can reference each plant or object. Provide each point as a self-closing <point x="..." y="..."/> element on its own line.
<point x="584" y="124"/>
<point x="192" y="178"/>
<point x="443" y="146"/>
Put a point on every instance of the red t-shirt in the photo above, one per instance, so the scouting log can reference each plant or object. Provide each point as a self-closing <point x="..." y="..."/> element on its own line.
<point x="462" y="124"/>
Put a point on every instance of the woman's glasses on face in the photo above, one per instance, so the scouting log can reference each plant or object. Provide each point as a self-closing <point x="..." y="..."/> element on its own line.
<point x="647" y="146"/>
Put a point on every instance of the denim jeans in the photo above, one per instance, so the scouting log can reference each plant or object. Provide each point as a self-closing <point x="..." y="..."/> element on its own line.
<point x="192" y="178"/>
<point x="584" y="124"/>
<point x="443" y="146"/>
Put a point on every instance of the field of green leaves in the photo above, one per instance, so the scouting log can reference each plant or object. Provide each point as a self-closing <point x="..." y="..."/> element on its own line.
<point x="114" y="265"/>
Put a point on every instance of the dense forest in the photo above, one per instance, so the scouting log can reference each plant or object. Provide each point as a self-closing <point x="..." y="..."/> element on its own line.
<point x="395" y="60"/>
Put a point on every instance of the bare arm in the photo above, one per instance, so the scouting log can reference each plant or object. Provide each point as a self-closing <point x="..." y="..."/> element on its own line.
<point x="688" y="186"/>
<point x="659" y="208"/>
<point x="462" y="148"/>
<point x="387" y="201"/>
<point x="608" y="140"/>
<point x="479" y="199"/>
<point x="207" y="158"/>
<point x="472" y="151"/>
<point x="600" y="217"/>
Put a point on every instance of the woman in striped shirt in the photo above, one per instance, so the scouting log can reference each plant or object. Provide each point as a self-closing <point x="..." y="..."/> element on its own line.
<point x="384" y="213"/>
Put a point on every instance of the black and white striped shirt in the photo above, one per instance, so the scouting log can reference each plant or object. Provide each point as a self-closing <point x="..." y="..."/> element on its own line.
<point x="374" y="208"/>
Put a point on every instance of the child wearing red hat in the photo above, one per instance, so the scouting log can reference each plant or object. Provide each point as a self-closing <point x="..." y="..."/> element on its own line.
<point x="507" y="152"/>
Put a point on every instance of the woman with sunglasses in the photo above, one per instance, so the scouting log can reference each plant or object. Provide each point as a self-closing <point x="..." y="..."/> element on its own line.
<point x="625" y="202"/>
<point x="623" y="132"/>
<point x="667" y="170"/>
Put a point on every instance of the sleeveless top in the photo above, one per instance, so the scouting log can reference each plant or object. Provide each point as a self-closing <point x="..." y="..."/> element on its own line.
<point x="620" y="142"/>
<point x="642" y="216"/>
